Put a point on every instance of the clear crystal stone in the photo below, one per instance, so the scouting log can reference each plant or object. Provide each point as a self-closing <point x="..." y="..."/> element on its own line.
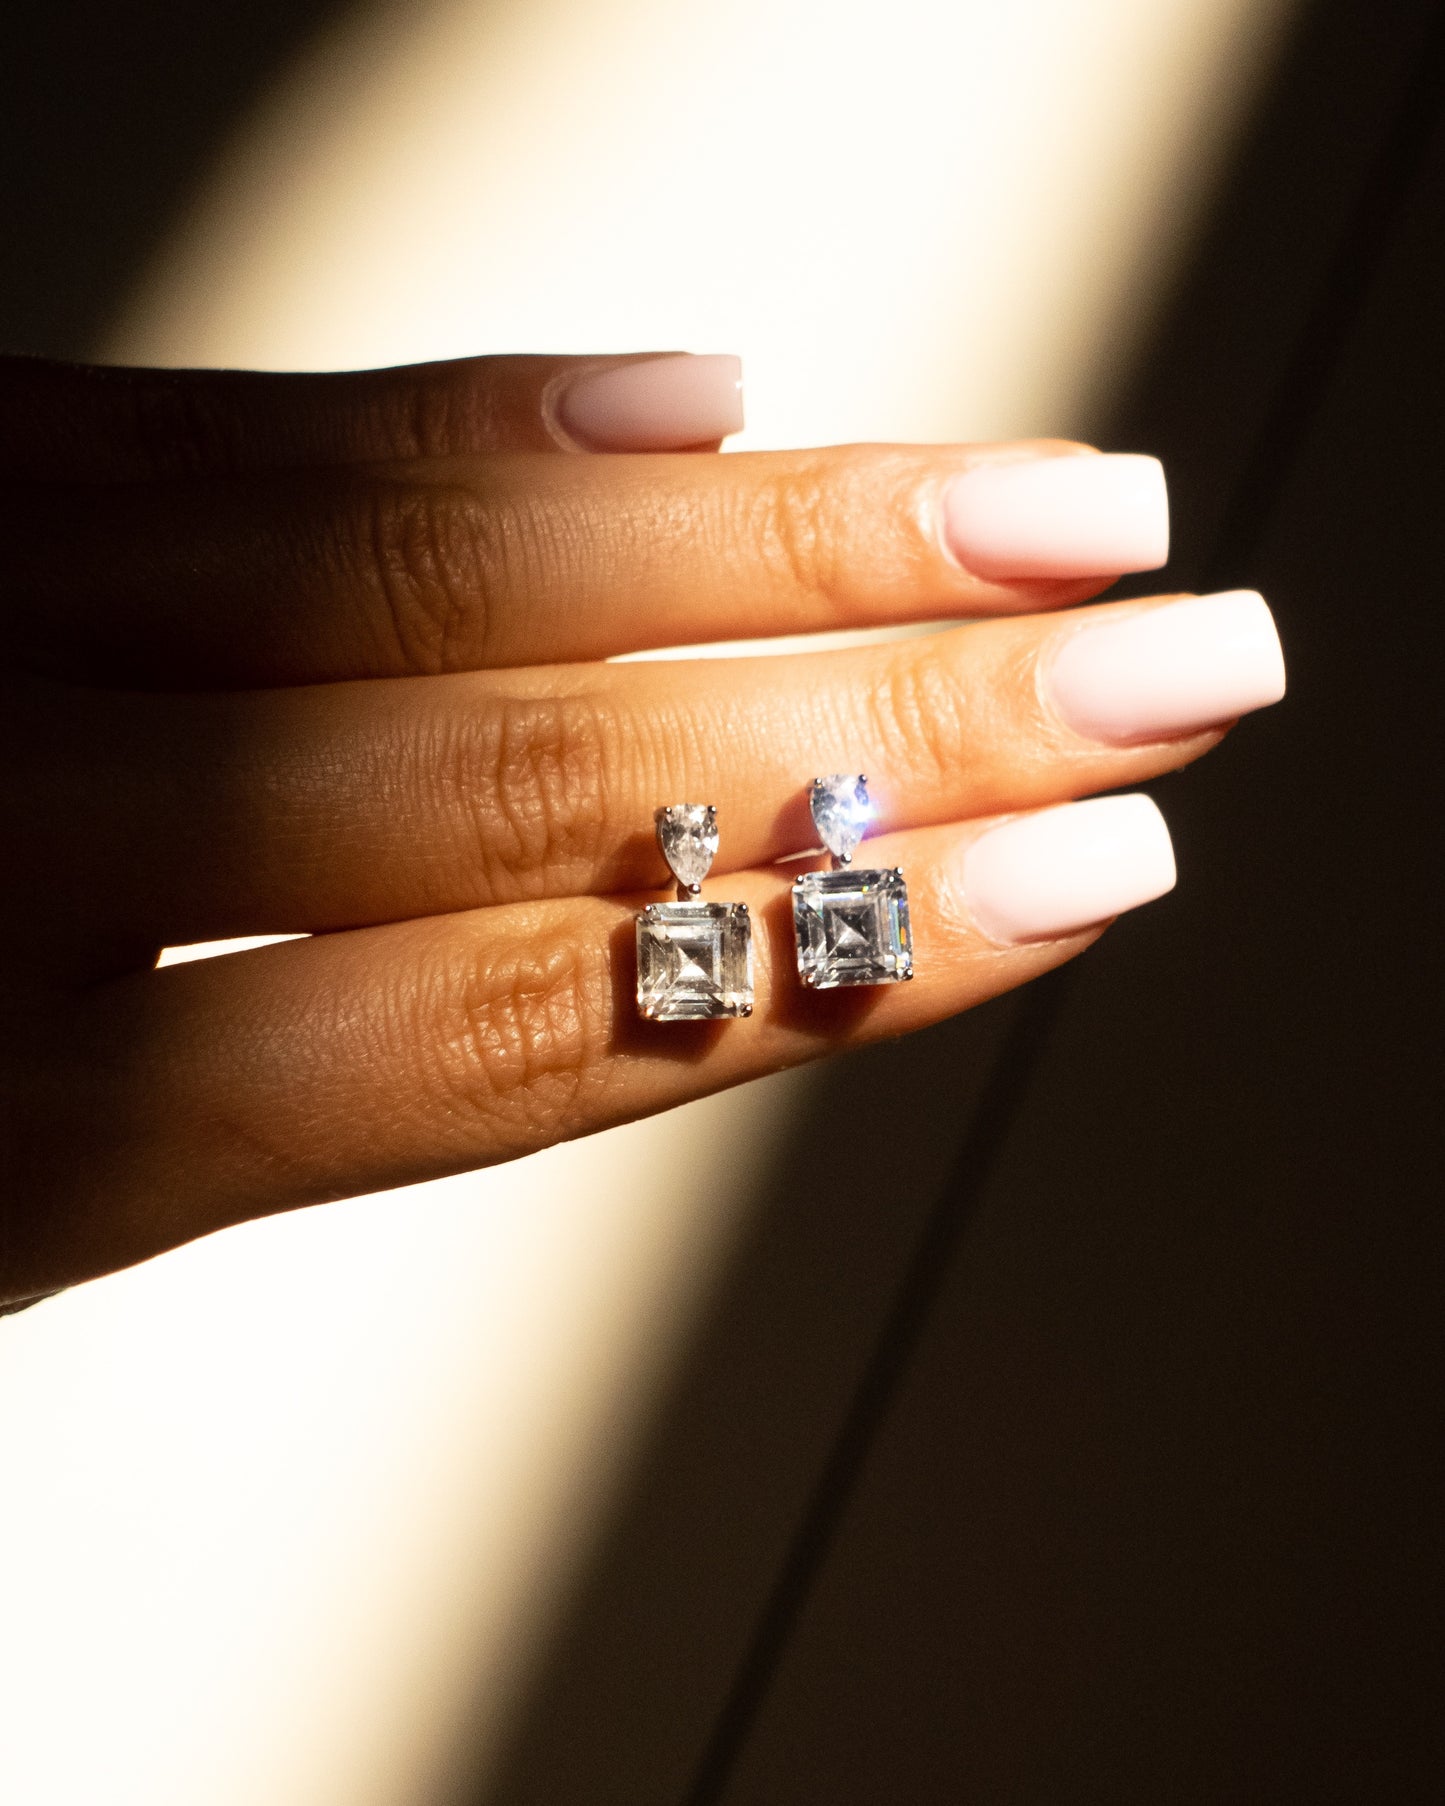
<point x="687" y="834"/>
<point x="840" y="812"/>
<point x="694" y="961"/>
<point x="852" y="928"/>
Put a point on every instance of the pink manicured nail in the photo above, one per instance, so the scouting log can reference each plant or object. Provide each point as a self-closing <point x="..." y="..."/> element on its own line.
<point x="656" y="404"/>
<point x="1079" y="515"/>
<point x="1168" y="670"/>
<point x="1045" y="875"/>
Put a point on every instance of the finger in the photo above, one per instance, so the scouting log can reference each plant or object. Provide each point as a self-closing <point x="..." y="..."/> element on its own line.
<point x="520" y="559"/>
<point x="232" y="1088"/>
<point x="82" y="423"/>
<point x="334" y="807"/>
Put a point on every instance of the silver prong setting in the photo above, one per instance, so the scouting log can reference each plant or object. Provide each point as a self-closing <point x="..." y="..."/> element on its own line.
<point x="850" y="927"/>
<point x="694" y="958"/>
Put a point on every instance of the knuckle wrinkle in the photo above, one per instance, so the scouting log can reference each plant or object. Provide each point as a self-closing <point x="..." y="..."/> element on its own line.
<point x="432" y="559"/>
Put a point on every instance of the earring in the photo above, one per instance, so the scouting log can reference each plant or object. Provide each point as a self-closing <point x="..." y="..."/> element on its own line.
<point x="851" y="927"/>
<point x="694" y="959"/>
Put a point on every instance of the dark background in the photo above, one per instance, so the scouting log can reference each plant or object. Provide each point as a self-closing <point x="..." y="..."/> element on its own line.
<point x="1129" y="1487"/>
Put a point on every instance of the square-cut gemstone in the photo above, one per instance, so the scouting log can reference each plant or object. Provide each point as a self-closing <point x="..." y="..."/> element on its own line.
<point x="694" y="961"/>
<point x="852" y="928"/>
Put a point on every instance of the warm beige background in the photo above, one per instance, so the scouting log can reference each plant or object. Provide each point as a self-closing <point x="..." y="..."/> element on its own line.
<point x="285" y="1503"/>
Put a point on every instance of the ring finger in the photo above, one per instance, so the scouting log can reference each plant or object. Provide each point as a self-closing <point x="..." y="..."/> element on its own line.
<point x="236" y="1087"/>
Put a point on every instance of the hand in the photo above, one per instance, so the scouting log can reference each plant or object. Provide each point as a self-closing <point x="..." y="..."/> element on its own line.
<point x="323" y="654"/>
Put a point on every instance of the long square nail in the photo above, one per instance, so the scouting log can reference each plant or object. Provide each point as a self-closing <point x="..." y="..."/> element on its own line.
<point x="654" y="404"/>
<point x="1077" y="515"/>
<point x="1167" y="670"/>
<point x="1041" y="876"/>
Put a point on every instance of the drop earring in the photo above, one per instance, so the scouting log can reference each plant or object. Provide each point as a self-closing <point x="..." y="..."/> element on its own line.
<point x="694" y="959"/>
<point x="851" y="927"/>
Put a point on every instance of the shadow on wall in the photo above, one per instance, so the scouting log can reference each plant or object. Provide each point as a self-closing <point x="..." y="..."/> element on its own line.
<point x="1133" y="1490"/>
<point x="129" y="105"/>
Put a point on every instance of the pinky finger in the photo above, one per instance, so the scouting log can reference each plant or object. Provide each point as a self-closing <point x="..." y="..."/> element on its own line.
<point x="78" y="423"/>
<point x="229" y="1089"/>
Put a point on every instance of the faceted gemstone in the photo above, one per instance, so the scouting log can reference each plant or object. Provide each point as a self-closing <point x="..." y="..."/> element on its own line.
<point x="840" y="812"/>
<point x="694" y="961"/>
<point x="852" y="928"/>
<point x="687" y="834"/>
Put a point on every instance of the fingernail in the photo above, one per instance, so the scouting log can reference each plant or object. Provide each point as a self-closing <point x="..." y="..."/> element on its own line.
<point x="655" y="404"/>
<point x="1078" y="515"/>
<point x="1041" y="876"/>
<point x="1168" y="670"/>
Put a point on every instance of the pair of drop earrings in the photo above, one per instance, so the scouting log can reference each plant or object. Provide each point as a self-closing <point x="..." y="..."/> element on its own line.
<point x="695" y="959"/>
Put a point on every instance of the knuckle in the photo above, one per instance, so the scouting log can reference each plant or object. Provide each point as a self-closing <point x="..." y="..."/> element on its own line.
<point x="531" y="776"/>
<point x="525" y="1037"/>
<point x="435" y="414"/>
<point x="920" y="714"/>
<point x="434" y="557"/>
<point x="437" y="410"/>
<point x="842" y="527"/>
<point x="799" y="529"/>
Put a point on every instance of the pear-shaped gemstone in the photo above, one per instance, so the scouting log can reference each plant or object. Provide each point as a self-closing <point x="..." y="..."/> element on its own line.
<point x="840" y="812"/>
<point x="687" y="834"/>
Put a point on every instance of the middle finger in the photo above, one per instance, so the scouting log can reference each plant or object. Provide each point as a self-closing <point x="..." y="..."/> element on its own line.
<point x="343" y="805"/>
<point x="516" y="559"/>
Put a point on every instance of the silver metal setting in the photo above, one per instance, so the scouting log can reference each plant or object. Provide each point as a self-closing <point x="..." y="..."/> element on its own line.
<point x="694" y="959"/>
<point x="850" y="926"/>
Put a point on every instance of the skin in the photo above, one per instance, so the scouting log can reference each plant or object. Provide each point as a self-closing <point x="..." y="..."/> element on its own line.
<point x="323" y="654"/>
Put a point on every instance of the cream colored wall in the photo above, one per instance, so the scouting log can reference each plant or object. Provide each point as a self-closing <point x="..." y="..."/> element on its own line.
<point x="281" y="1507"/>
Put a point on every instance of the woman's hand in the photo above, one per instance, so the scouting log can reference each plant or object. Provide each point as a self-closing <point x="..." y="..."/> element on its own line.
<point x="323" y="654"/>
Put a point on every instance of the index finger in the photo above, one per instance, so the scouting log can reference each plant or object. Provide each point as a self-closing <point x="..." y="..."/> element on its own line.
<point x="81" y="423"/>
